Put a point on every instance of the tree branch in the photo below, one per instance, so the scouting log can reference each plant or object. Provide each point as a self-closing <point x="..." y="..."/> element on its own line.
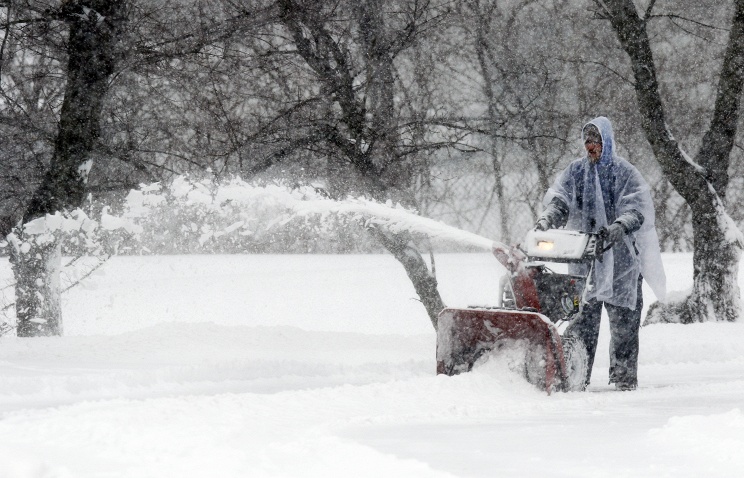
<point x="649" y="9"/>
<point x="715" y="151"/>
<point x="632" y="34"/>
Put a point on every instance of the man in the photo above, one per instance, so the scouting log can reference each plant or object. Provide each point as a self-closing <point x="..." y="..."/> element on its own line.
<point x="602" y="190"/>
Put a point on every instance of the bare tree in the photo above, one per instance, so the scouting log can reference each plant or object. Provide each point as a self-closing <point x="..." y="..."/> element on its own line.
<point x="60" y="64"/>
<point x="353" y="63"/>
<point x="701" y="180"/>
<point x="92" y="53"/>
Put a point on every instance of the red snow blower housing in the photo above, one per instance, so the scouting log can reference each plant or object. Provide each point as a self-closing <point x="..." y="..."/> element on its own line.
<point x="534" y="301"/>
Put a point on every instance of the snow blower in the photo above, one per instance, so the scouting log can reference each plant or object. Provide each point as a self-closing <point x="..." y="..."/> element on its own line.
<point x="534" y="303"/>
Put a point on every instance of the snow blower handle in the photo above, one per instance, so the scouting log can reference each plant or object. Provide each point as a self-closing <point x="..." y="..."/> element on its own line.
<point x="599" y="248"/>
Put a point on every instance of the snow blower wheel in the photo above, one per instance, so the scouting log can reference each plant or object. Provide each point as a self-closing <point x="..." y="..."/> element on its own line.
<point x="577" y="364"/>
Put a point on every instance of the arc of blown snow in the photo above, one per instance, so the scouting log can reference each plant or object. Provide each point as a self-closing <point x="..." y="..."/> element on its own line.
<point x="394" y="218"/>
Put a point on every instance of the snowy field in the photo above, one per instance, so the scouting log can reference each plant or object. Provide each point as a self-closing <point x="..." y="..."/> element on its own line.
<point x="305" y="366"/>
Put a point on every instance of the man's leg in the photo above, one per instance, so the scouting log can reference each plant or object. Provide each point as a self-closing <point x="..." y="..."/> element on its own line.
<point x="624" y="343"/>
<point x="586" y="328"/>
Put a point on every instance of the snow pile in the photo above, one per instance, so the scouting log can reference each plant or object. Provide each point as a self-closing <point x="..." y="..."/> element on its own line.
<point x="694" y="343"/>
<point x="716" y="440"/>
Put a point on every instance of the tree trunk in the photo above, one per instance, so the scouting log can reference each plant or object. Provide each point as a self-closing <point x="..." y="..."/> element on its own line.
<point x="505" y="206"/>
<point x="715" y="292"/>
<point x="717" y="241"/>
<point x="37" y="289"/>
<point x="92" y="54"/>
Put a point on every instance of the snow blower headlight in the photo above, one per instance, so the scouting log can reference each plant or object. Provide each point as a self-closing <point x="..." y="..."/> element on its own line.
<point x="545" y="245"/>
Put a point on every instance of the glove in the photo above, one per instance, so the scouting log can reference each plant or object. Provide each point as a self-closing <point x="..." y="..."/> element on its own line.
<point x="542" y="224"/>
<point x="615" y="233"/>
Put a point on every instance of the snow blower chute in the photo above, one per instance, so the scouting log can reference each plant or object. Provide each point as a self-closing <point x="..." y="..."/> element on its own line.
<point x="534" y="301"/>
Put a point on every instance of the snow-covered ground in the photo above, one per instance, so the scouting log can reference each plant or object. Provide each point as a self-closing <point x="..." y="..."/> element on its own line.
<point x="295" y="366"/>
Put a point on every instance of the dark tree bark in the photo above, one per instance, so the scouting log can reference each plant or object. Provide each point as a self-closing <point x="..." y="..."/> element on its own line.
<point x="94" y="30"/>
<point x="702" y="182"/>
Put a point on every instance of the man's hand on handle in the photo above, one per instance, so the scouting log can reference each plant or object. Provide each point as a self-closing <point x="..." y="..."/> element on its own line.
<point x="615" y="233"/>
<point x="542" y="224"/>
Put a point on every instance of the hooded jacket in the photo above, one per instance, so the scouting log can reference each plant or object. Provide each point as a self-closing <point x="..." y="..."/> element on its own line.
<point x="598" y="195"/>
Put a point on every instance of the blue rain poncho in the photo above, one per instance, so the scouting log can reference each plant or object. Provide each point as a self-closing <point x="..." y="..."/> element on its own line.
<point x="598" y="194"/>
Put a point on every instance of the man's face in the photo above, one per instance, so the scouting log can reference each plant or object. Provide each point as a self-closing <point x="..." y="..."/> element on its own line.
<point x="593" y="145"/>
